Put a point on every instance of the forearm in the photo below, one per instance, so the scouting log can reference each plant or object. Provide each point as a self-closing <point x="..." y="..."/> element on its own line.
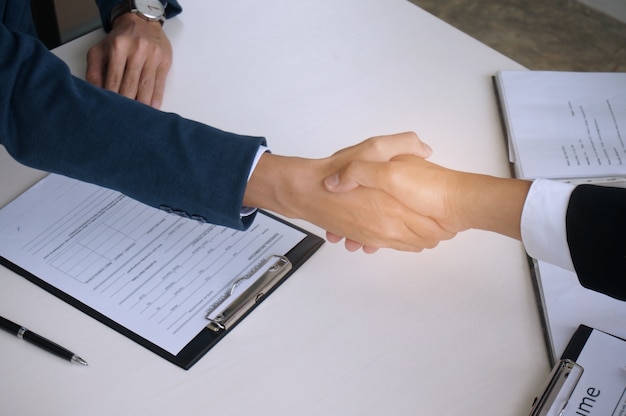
<point x="491" y="203"/>
<point x="274" y="184"/>
<point x="61" y="124"/>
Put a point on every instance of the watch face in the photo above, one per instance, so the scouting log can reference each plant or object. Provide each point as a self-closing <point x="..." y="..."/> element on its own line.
<point x="150" y="8"/>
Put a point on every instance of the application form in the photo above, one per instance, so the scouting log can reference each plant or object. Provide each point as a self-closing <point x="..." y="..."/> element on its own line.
<point x="154" y="273"/>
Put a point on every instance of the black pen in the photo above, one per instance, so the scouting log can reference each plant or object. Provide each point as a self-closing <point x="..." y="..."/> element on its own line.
<point x="40" y="341"/>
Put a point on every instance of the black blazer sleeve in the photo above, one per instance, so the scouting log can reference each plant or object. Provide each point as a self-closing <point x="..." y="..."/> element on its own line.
<point x="596" y="235"/>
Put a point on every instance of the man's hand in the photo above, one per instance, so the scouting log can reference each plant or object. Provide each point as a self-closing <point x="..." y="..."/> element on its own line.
<point x="294" y="187"/>
<point x="454" y="200"/>
<point x="428" y="189"/>
<point x="133" y="60"/>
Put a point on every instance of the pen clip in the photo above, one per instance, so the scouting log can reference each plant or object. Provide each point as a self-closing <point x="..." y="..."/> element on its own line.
<point x="223" y="313"/>
<point x="558" y="390"/>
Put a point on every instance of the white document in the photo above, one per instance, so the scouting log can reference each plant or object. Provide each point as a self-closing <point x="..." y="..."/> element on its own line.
<point x="601" y="389"/>
<point x="564" y="125"/>
<point x="154" y="273"/>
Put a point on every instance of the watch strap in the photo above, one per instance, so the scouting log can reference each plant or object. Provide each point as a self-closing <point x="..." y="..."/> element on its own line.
<point x="127" y="6"/>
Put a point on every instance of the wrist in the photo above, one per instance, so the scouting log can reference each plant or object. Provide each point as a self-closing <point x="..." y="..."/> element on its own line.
<point x="127" y="19"/>
<point x="276" y="184"/>
<point x="151" y="11"/>
<point x="492" y="204"/>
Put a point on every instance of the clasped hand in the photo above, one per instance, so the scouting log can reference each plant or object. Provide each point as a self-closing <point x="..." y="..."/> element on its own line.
<point x="359" y="193"/>
<point x="424" y="189"/>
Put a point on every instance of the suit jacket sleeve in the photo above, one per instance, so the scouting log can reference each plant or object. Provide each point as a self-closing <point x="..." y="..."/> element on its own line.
<point x="596" y="235"/>
<point x="53" y="121"/>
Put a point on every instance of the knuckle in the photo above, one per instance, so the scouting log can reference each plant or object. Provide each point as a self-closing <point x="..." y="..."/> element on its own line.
<point x="113" y="80"/>
<point x="392" y="177"/>
<point x="352" y="166"/>
<point x="143" y="45"/>
<point x="378" y="144"/>
<point x="146" y="82"/>
<point x="119" y="43"/>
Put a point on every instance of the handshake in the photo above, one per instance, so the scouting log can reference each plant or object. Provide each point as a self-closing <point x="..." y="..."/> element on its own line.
<point x="384" y="193"/>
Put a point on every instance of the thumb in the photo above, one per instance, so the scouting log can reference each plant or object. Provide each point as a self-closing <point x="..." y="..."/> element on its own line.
<point x="334" y="183"/>
<point x="354" y="174"/>
<point x="423" y="150"/>
<point x="407" y="143"/>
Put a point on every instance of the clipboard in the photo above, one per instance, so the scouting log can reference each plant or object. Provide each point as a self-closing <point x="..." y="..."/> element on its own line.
<point x="263" y="278"/>
<point x="562" y="392"/>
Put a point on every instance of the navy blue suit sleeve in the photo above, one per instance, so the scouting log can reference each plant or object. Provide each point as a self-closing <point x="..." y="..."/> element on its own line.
<point x="105" y="6"/>
<point x="53" y="121"/>
<point x="596" y="235"/>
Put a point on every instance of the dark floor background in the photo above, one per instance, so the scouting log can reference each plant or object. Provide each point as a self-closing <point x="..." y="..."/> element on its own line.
<point x="542" y="35"/>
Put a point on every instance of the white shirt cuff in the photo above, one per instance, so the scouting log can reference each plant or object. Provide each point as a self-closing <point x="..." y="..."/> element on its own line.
<point x="259" y="153"/>
<point x="245" y="211"/>
<point x="543" y="227"/>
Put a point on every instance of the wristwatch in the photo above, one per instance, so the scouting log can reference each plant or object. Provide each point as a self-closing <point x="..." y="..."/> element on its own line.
<point x="151" y="10"/>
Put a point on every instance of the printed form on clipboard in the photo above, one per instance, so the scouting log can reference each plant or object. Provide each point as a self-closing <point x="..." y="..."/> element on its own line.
<point x="174" y="285"/>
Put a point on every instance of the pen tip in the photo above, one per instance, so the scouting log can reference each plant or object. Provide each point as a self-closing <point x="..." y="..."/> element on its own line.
<point x="76" y="359"/>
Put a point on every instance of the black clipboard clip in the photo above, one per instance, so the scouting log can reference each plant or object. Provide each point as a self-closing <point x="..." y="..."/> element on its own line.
<point x="558" y="390"/>
<point x="247" y="291"/>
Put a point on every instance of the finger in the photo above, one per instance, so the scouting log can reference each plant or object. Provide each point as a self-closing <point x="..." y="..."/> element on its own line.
<point x="415" y="234"/>
<point x="133" y="74"/>
<point x="357" y="173"/>
<point x="145" y="84"/>
<point x="428" y="232"/>
<point x="407" y="143"/>
<point x="339" y="183"/>
<point x="377" y="149"/>
<point x="96" y="65"/>
<point x="409" y="241"/>
<point x="383" y="148"/>
<point x="116" y="69"/>
<point x="406" y="240"/>
<point x="422" y="150"/>
<point x="159" y="86"/>
<point x="370" y="250"/>
<point x="333" y="238"/>
<point x="352" y="245"/>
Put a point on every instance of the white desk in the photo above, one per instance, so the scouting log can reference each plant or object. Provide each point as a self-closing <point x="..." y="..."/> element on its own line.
<point x="451" y="331"/>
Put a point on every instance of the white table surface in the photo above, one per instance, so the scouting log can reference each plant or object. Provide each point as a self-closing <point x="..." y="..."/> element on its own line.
<point x="450" y="331"/>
